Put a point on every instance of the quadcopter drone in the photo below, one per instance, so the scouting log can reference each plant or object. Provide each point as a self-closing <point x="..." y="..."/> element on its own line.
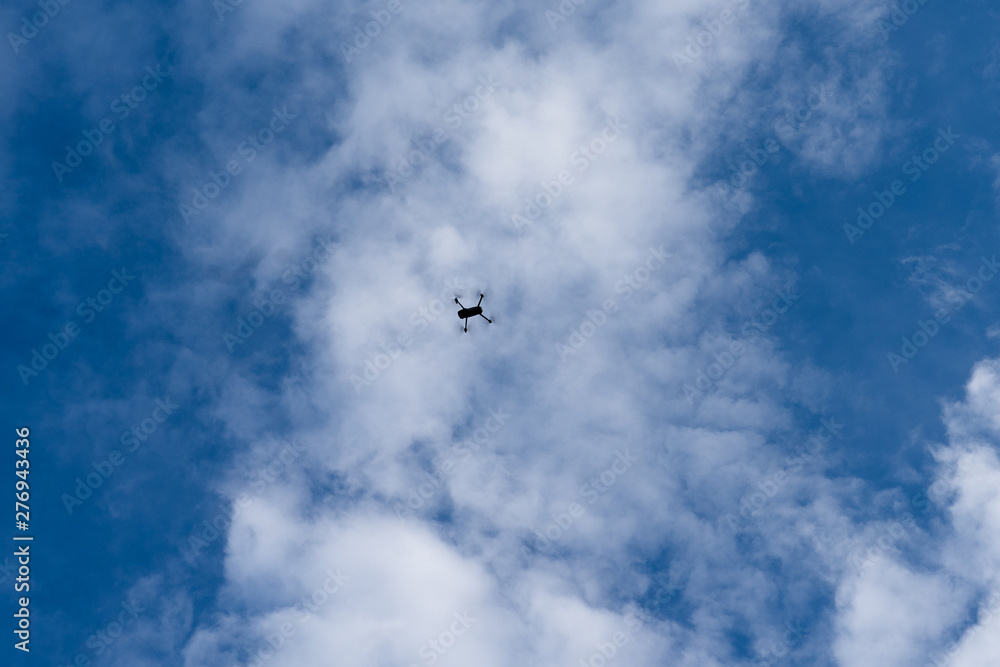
<point x="466" y="313"/>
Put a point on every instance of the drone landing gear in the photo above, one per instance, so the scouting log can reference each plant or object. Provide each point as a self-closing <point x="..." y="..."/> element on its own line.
<point x="466" y="313"/>
<point x="466" y="329"/>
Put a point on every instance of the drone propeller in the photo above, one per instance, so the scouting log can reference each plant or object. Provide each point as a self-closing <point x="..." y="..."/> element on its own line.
<point x="471" y="300"/>
<point x="471" y="289"/>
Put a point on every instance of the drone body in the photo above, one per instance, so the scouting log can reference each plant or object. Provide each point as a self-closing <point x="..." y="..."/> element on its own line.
<point x="466" y="313"/>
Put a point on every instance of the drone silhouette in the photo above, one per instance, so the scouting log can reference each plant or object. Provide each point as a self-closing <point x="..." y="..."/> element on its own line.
<point x="466" y="313"/>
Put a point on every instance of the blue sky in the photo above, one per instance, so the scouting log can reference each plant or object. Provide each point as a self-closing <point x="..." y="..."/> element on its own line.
<point x="684" y="439"/>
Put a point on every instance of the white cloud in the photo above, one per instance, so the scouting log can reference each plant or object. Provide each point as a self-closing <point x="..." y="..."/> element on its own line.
<point x="897" y="613"/>
<point x="468" y="546"/>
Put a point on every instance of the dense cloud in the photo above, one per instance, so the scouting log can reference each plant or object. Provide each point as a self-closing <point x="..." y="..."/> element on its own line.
<point x="558" y="171"/>
<point x="628" y="463"/>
